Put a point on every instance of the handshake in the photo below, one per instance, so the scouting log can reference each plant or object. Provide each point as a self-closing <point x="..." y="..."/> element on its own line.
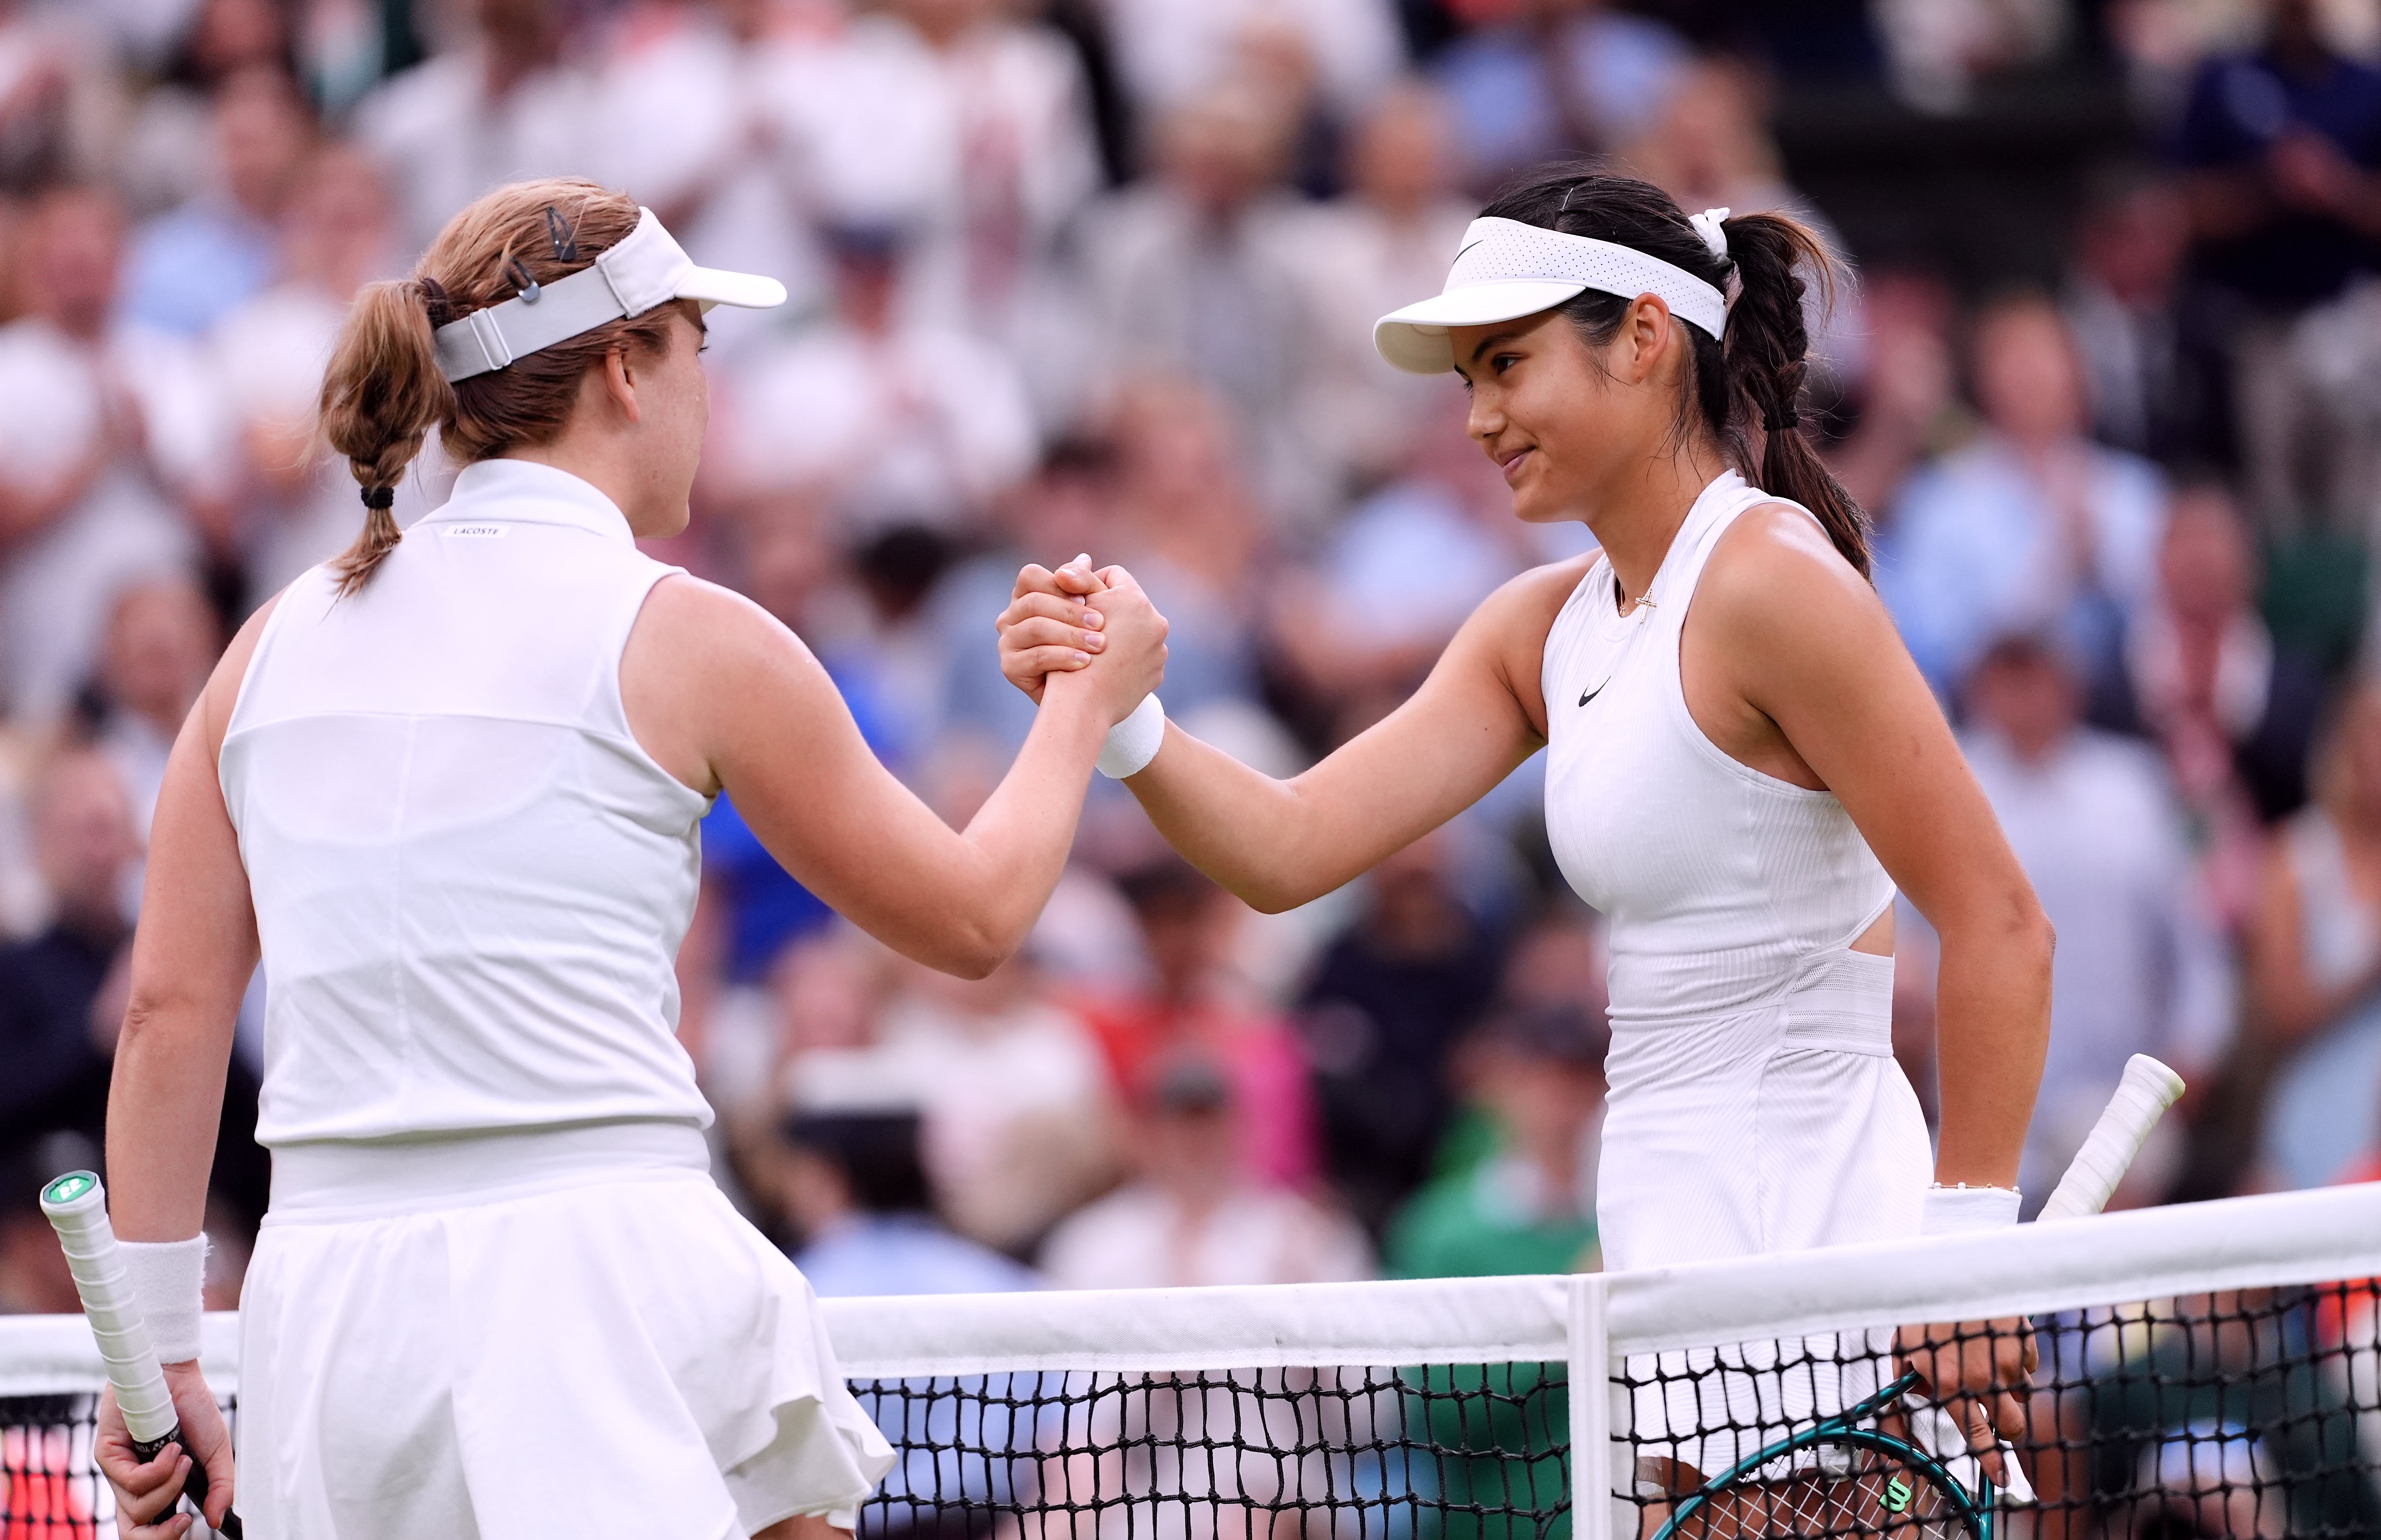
<point x="1081" y="630"/>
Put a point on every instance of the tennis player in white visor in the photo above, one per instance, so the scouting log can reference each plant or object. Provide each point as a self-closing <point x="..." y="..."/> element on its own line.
<point x="1742" y="764"/>
<point x="449" y="785"/>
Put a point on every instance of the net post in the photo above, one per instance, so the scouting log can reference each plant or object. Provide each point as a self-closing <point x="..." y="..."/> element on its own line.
<point x="1593" y="1509"/>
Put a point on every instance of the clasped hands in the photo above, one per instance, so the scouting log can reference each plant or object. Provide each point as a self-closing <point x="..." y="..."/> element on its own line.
<point x="1077" y="622"/>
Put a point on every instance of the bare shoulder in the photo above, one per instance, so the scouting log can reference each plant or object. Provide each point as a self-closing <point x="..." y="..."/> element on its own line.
<point x="1524" y="607"/>
<point x="1775" y="573"/>
<point x="1506" y="635"/>
<point x="688" y="620"/>
<point x="231" y="670"/>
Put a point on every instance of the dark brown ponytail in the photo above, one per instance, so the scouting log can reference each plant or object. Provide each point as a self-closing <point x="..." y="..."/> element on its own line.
<point x="1748" y="382"/>
<point x="1768" y="348"/>
<point x="383" y="390"/>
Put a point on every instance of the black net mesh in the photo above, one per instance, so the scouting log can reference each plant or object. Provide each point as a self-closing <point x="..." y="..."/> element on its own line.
<point x="1473" y="1452"/>
<point x="2249" y="1415"/>
<point x="52" y="1485"/>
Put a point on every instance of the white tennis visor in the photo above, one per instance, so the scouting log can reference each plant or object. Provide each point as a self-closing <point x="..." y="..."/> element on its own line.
<point x="1506" y="270"/>
<point x="646" y="269"/>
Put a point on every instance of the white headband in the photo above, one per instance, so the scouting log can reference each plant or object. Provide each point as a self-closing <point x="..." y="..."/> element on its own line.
<point x="1506" y="270"/>
<point x="644" y="270"/>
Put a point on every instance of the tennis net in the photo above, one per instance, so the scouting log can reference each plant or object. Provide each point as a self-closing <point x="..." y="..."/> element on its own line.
<point x="2211" y="1370"/>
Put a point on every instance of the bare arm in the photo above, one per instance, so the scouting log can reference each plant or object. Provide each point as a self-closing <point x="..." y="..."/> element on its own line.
<point x="191" y="959"/>
<point x="1276" y="844"/>
<point x="1808" y="647"/>
<point x="726" y="697"/>
<point x="2286" y="1004"/>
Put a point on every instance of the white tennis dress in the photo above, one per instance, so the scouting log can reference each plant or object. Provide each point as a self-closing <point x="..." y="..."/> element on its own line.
<point x="1755" y="1104"/>
<point x="497" y="1294"/>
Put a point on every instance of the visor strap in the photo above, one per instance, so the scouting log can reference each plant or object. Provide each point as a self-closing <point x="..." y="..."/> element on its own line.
<point x="491" y="337"/>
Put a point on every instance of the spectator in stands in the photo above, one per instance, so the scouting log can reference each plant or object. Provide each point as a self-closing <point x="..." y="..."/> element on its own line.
<point x="2235" y="713"/>
<point x="1937" y="51"/>
<point x="106" y="435"/>
<point x="1015" y="161"/>
<point x="1388" y="238"/>
<point x="1905" y="396"/>
<point x="2033" y="525"/>
<point x="2314" y="958"/>
<point x="2152" y="350"/>
<point x="167" y="155"/>
<point x="1011" y="1086"/>
<point x="1171" y="52"/>
<point x="1200" y="272"/>
<point x="1525" y="1204"/>
<point x="1357" y="630"/>
<point x="60" y="102"/>
<point x="896" y="420"/>
<point x="855" y="1188"/>
<point x="2281" y="147"/>
<point x="2139" y="969"/>
<point x="1195" y="1009"/>
<point x="298" y="501"/>
<point x="163" y="639"/>
<point x="1190" y="527"/>
<point x="33" y="1277"/>
<point x="1710" y="147"/>
<point x="1380" y="1020"/>
<point x="1560" y="78"/>
<point x="188" y="268"/>
<point x="84" y="843"/>
<point x="503" y="104"/>
<point x="1068" y="505"/>
<point x="1193" y="1216"/>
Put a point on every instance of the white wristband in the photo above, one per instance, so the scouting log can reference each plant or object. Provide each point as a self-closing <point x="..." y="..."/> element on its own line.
<point x="1134" y="741"/>
<point x="1952" y="1210"/>
<point x="168" y="1281"/>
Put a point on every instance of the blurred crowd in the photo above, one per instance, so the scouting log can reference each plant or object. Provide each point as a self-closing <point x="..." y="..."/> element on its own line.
<point x="1099" y="275"/>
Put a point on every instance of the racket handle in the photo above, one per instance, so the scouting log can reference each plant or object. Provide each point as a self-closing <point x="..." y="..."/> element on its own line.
<point x="194" y="1486"/>
<point x="2148" y="1088"/>
<point x="76" y="1206"/>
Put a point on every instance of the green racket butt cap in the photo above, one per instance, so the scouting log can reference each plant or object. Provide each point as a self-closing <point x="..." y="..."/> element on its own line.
<point x="71" y="1192"/>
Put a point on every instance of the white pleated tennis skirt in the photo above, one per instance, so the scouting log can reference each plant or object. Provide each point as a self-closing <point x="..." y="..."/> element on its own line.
<point x="1780" y="1129"/>
<point x="555" y="1333"/>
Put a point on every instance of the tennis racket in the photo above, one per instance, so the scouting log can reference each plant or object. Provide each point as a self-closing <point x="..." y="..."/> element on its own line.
<point x="77" y="1205"/>
<point x="1849" y="1474"/>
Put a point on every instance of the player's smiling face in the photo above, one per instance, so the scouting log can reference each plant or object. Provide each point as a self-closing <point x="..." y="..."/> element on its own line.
<point x="1561" y="419"/>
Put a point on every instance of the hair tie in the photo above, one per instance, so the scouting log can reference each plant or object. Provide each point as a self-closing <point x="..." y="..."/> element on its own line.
<point x="435" y="302"/>
<point x="378" y="497"/>
<point x="1782" y="422"/>
<point x="1707" y="224"/>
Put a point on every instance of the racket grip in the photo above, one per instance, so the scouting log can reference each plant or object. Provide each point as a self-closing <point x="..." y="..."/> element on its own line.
<point x="194" y="1486"/>
<point x="2148" y="1088"/>
<point x="76" y="1206"/>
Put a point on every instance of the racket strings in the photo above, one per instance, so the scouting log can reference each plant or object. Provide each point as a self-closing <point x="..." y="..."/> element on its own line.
<point x="1870" y="1494"/>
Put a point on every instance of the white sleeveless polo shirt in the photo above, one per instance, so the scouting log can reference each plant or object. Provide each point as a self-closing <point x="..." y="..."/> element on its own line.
<point x="1755" y="1105"/>
<point x="470" y="882"/>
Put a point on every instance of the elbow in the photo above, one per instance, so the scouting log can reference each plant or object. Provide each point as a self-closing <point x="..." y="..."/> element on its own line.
<point x="2010" y="925"/>
<point x="974" y="964"/>
<point x="141" y="1019"/>
<point x="973" y="952"/>
<point x="1271" y="895"/>
<point x="1267" y="901"/>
